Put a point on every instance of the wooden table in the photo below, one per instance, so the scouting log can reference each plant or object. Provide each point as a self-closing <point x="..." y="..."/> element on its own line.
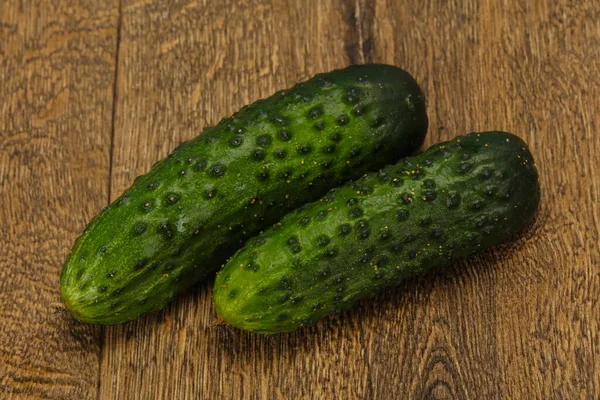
<point x="93" y="93"/>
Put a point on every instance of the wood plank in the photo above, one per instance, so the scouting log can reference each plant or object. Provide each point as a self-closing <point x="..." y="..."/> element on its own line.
<point x="520" y="321"/>
<point x="188" y="65"/>
<point x="56" y="95"/>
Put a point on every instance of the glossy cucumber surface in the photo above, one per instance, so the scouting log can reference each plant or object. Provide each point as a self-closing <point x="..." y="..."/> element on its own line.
<point x="179" y="222"/>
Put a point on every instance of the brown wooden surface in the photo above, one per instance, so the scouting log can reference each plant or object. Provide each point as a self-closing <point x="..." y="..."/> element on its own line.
<point x="93" y="93"/>
<point x="57" y="69"/>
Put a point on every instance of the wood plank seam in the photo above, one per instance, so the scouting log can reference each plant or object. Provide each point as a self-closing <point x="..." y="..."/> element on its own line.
<point x="110" y="170"/>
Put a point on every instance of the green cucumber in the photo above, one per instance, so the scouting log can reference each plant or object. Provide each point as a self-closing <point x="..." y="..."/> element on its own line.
<point x="453" y="200"/>
<point x="177" y="224"/>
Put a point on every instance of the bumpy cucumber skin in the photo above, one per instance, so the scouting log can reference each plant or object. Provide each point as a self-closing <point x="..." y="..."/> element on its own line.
<point x="177" y="224"/>
<point x="453" y="200"/>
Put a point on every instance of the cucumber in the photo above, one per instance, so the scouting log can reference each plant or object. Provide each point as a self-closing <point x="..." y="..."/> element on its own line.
<point x="177" y="224"/>
<point x="453" y="200"/>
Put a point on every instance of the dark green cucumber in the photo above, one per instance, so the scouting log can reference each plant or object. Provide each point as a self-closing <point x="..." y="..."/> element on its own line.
<point x="455" y="199"/>
<point x="176" y="225"/>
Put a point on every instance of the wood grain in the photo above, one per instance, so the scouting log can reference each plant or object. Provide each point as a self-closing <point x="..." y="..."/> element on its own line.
<point x="56" y="96"/>
<point x="520" y="321"/>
